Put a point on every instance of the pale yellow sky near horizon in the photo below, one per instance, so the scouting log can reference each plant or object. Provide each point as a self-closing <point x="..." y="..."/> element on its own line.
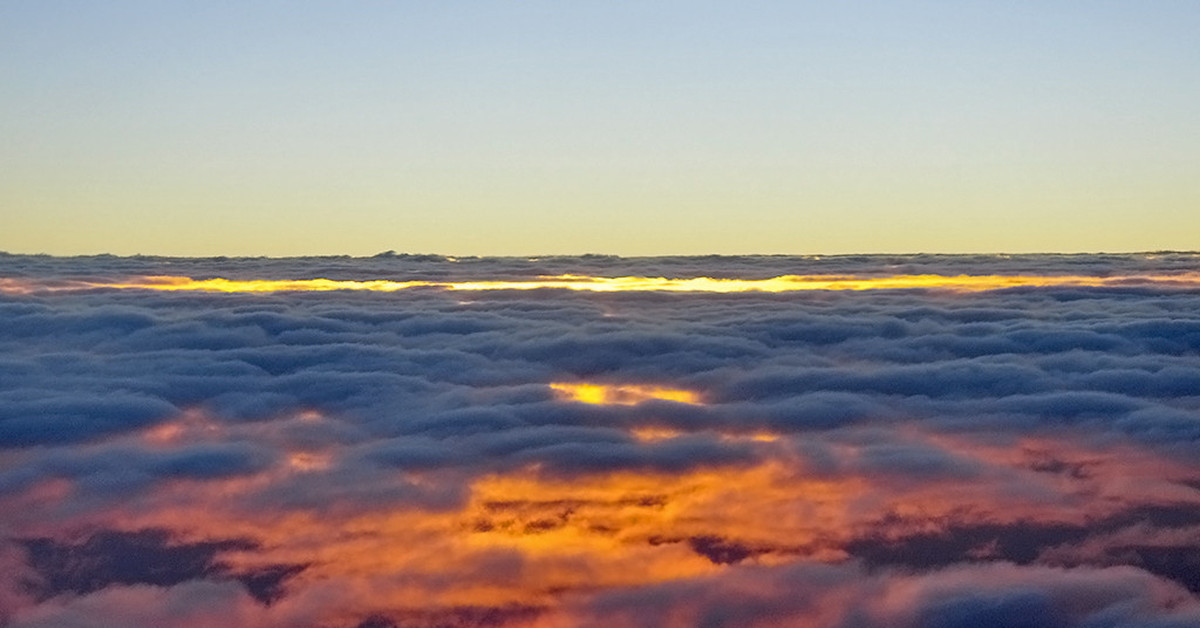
<point x="663" y="128"/>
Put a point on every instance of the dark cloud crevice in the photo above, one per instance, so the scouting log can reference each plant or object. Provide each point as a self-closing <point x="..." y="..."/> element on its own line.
<point x="149" y="556"/>
<point x="453" y="617"/>
<point x="1033" y="542"/>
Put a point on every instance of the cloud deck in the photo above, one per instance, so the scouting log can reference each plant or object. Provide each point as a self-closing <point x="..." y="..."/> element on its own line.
<point x="913" y="455"/>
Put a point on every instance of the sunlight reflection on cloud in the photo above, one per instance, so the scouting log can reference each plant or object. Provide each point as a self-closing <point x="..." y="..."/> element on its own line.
<point x="348" y="458"/>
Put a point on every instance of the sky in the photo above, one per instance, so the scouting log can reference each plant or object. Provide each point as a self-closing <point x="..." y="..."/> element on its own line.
<point x="925" y="441"/>
<point x="636" y="128"/>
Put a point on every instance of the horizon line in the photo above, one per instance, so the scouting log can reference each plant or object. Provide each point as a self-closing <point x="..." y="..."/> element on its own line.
<point x="388" y="254"/>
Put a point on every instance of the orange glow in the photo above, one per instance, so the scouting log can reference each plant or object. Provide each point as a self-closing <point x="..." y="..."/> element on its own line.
<point x="307" y="461"/>
<point x="557" y="535"/>
<point x="310" y="416"/>
<point x="621" y="394"/>
<point x="760" y="437"/>
<point x="20" y="286"/>
<point x="783" y="283"/>
<point x="165" y="433"/>
<point x="190" y="426"/>
<point x="527" y="537"/>
<point x="649" y="434"/>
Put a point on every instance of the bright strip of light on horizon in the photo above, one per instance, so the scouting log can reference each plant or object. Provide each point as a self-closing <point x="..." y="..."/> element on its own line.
<point x="783" y="283"/>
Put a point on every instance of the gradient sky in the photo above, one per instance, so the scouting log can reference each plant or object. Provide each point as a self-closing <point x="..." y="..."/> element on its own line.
<point x="633" y="128"/>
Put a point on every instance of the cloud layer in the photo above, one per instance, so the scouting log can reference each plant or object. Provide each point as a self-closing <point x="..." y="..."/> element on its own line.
<point x="552" y="457"/>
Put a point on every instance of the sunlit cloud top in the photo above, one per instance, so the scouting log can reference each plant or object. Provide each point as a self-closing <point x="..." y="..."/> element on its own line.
<point x="623" y="394"/>
<point x="785" y="283"/>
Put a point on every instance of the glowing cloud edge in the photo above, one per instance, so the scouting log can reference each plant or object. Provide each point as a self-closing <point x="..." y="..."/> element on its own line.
<point x="782" y="283"/>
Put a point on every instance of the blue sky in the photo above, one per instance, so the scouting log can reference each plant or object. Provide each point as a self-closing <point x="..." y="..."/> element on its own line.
<point x="630" y="128"/>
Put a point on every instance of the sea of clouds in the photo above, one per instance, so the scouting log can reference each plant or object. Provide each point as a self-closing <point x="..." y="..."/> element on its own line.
<point x="1016" y="457"/>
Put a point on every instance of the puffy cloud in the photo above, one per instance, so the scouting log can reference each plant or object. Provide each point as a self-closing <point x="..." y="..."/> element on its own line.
<point x="885" y="457"/>
<point x="845" y="595"/>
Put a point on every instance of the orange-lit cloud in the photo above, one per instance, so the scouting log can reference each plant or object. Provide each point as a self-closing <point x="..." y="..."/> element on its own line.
<point x="527" y="462"/>
<point x="652" y="433"/>
<point x="528" y="540"/>
<point x="621" y="394"/>
<point x="783" y="283"/>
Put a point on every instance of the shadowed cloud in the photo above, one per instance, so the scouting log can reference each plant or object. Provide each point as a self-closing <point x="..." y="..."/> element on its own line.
<point x="149" y="556"/>
<point x="341" y="455"/>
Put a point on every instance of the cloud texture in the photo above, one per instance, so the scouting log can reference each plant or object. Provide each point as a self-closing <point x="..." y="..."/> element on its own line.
<point x="550" y="457"/>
